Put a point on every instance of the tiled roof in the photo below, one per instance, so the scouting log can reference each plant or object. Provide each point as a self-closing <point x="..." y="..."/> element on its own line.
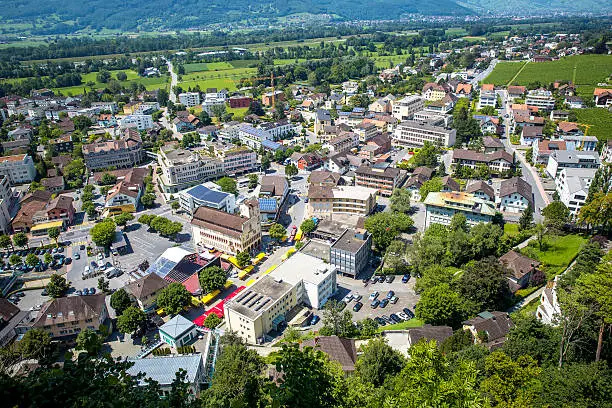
<point x="516" y="185"/>
<point x="146" y="285"/>
<point x="338" y="349"/>
<point x="219" y="221"/>
<point x="518" y="264"/>
<point x="496" y="324"/>
<point x="71" y="309"/>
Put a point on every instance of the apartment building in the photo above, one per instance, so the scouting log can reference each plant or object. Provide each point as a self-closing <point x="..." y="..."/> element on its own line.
<point x="515" y="195"/>
<point x="440" y="207"/>
<point x="189" y="99"/>
<point x="342" y="143"/>
<point x="140" y="122"/>
<point x="183" y="168"/>
<point x="277" y="130"/>
<point x="541" y="99"/>
<point x="210" y="101"/>
<point x="126" y="152"/>
<point x="433" y="118"/>
<point x="18" y="169"/>
<point x="6" y="202"/>
<point x="564" y="159"/>
<point x="351" y="252"/>
<point x="498" y="162"/>
<point x="67" y="316"/>
<point x="325" y="201"/>
<point x="415" y="134"/>
<point x="405" y="108"/>
<point x="487" y="98"/>
<point x="236" y="159"/>
<point x="253" y="137"/>
<point x="378" y="176"/>
<point x="229" y="233"/>
<point x="572" y="185"/>
<point x="366" y="131"/>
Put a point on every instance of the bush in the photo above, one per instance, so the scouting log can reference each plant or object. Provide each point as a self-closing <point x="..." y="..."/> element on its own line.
<point x="186" y="350"/>
<point x="162" y="351"/>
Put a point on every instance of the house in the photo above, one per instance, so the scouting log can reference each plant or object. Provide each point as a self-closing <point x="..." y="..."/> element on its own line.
<point x="338" y="349"/>
<point x="580" y="142"/>
<point x="487" y="98"/>
<point x="144" y="290"/>
<point x="228" y="232"/>
<point x="67" y="316"/>
<point x="463" y="90"/>
<point x="433" y="92"/>
<point x="419" y="176"/>
<point x="178" y="332"/>
<point x="383" y="105"/>
<point x="522" y="268"/>
<point x="516" y="92"/>
<point x="306" y="161"/>
<point x="30" y="204"/>
<point x="378" y="176"/>
<point x="498" y="162"/>
<point x="365" y="130"/>
<point x="530" y="134"/>
<point x="574" y="102"/>
<point x="448" y="184"/>
<point x="559" y="115"/>
<point x="440" y="207"/>
<point x="571" y="159"/>
<point x="482" y="190"/>
<point x="569" y="128"/>
<point x="489" y="125"/>
<point x="324" y="178"/>
<point x="602" y="97"/>
<point x="492" y="144"/>
<point x="272" y="196"/>
<point x="351" y="252"/>
<point x="402" y="340"/>
<point x="489" y="328"/>
<point x="381" y="144"/>
<point x="542" y="149"/>
<point x="342" y="143"/>
<point x="53" y="184"/>
<point x="515" y="195"/>
<point x="201" y="195"/>
<point x="240" y="101"/>
<point x="189" y="99"/>
<point x="573" y="185"/>
<point x="140" y="122"/>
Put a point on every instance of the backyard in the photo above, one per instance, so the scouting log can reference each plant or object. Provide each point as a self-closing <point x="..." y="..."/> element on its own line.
<point x="557" y="252"/>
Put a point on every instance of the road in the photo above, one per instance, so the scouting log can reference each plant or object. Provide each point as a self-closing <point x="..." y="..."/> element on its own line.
<point x="484" y="73"/>
<point x="173" y="81"/>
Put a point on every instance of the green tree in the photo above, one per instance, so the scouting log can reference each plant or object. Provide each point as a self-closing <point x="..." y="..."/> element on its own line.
<point x="212" y="321"/>
<point x="400" y="200"/>
<point x="526" y="220"/>
<point x="148" y="200"/>
<point x="367" y="328"/>
<point x="36" y="344"/>
<point x="175" y="205"/>
<point x="108" y="179"/>
<point x="15" y="260"/>
<point x="205" y="118"/>
<point x="336" y="321"/>
<point x="243" y="259"/>
<point x="441" y="305"/>
<point x="131" y="320"/>
<point x="277" y="232"/>
<point x="120" y="301"/>
<point x="253" y="180"/>
<point x="57" y="286"/>
<point x="103" y="284"/>
<point x="556" y="215"/>
<point x="426" y="156"/>
<point x="20" y="239"/>
<point x="6" y="242"/>
<point x="385" y="227"/>
<point x="212" y="278"/>
<point x="173" y="298"/>
<point x="123" y="218"/>
<point x="228" y="185"/>
<point x="103" y="233"/>
<point x="308" y="226"/>
<point x="89" y="341"/>
<point x="460" y="340"/>
<point x="265" y="163"/>
<point x="378" y="362"/>
<point x="540" y="233"/>
<point x="48" y="258"/>
<point x="32" y="260"/>
<point x="430" y="186"/>
<point x="54" y="234"/>
<point x="484" y="285"/>
<point x="291" y="170"/>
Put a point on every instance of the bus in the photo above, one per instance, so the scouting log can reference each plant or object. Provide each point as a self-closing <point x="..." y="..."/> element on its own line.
<point x="243" y="182"/>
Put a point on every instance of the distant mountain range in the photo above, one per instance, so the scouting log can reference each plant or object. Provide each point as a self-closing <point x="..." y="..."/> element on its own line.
<point x="66" y="16"/>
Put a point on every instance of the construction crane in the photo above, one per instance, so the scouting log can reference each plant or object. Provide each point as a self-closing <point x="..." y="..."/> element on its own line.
<point x="271" y="78"/>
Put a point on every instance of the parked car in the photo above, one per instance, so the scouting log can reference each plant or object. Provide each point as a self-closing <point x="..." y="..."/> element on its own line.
<point x="373" y="295"/>
<point x="60" y="249"/>
<point x="394" y="300"/>
<point x="348" y="298"/>
<point x="403" y="316"/>
<point x="78" y="292"/>
<point x="395" y="318"/>
<point x="357" y="297"/>
<point x="68" y="261"/>
<point x="384" y="303"/>
<point x="92" y="291"/>
<point x="381" y="322"/>
<point x="381" y="279"/>
<point x="357" y="306"/>
<point x="315" y="319"/>
<point x="82" y="247"/>
<point x="365" y="280"/>
<point x="390" y="294"/>
<point x="77" y="256"/>
<point x="375" y="304"/>
<point x="374" y="279"/>
<point x="44" y="292"/>
<point x="408" y="312"/>
<point x="100" y="257"/>
<point x="406" y="278"/>
<point x="390" y="278"/>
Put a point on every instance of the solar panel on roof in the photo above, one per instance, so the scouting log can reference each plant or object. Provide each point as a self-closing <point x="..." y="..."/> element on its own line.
<point x="267" y="204"/>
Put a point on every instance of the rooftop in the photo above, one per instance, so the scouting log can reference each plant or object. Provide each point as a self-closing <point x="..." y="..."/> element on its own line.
<point x="461" y="201"/>
<point x="177" y="326"/>
<point x="351" y="240"/>
<point x="203" y="193"/>
<point x="303" y="267"/>
<point x="164" y="369"/>
<point x="259" y="297"/>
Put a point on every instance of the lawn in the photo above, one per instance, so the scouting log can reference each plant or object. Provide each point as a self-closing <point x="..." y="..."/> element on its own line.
<point x="218" y="83"/>
<point x="456" y="31"/>
<point x="557" y="253"/>
<point x="599" y="119"/>
<point x="511" y="229"/>
<point x="149" y="83"/>
<point x="386" y="60"/>
<point x="504" y="72"/>
<point x="402" y="326"/>
<point x="239" y="113"/>
<point x="581" y="69"/>
<point x="235" y="73"/>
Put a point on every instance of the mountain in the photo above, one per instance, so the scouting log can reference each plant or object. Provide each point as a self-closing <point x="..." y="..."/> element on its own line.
<point x="533" y="7"/>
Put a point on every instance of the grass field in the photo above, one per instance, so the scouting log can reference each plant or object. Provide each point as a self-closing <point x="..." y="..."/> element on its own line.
<point x="599" y="119"/>
<point x="581" y="69"/>
<point x="219" y="83"/>
<point x="242" y="63"/>
<point x="504" y="72"/>
<point x="458" y="31"/>
<point x="511" y="229"/>
<point x="132" y="76"/>
<point x="402" y="326"/>
<point x="557" y="254"/>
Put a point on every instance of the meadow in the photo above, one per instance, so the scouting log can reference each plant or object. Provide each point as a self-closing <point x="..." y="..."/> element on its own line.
<point x="599" y="121"/>
<point x="504" y="72"/>
<point x="580" y="69"/>
<point x="132" y="76"/>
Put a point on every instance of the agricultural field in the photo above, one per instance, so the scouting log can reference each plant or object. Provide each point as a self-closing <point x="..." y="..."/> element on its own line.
<point x="207" y="66"/>
<point x="599" y="121"/>
<point x="504" y="72"/>
<point x="132" y="76"/>
<point x="218" y="83"/>
<point x="458" y="31"/>
<point x="243" y="63"/>
<point x="581" y="69"/>
<point x="219" y="75"/>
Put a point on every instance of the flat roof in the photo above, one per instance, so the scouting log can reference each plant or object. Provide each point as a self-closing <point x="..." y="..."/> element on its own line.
<point x="349" y="243"/>
<point x="164" y="369"/>
<point x="303" y="267"/>
<point x="259" y="297"/>
<point x="203" y="193"/>
<point x="460" y="201"/>
<point x="354" y="192"/>
<point x="46" y="225"/>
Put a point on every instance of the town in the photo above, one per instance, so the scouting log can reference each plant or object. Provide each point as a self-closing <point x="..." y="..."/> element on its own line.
<point x="451" y="207"/>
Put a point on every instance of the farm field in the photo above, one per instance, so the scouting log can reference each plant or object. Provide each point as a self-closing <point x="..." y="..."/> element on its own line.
<point x="504" y="72"/>
<point x="600" y="120"/>
<point x="581" y="69"/>
<point x="132" y="76"/>
<point x="218" y="83"/>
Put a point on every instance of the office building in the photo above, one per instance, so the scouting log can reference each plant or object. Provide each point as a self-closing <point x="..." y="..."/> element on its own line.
<point x="18" y="169"/>
<point x="183" y="168"/>
<point x="379" y="176"/>
<point x="564" y="159"/>
<point x="201" y="195"/>
<point x="405" y="108"/>
<point x="126" y="152"/>
<point x="415" y="134"/>
<point x="325" y="201"/>
<point x="140" y="122"/>
<point x="351" y="252"/>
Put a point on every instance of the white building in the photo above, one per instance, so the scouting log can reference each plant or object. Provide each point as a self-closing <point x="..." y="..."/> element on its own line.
<point x="573" y="187"/>
<point x="515" y="195"/>
<point x="414" y="134"/>
<point x="404" y="109"/>
<point x="5" y="204"/>
<point x="140" y="122"/>
<point x="183" y="168"/>
<point x="210" y="102"/>
<point x="201" y="195"/>
<point x="277" y="130"/>
<point x="541" y="98"/>
<point x="440" y="207"/>
<point x="487" y="98"/>
<point x="18" y="168"/>
<point x="189" y="99"/>
<point x="549" y="310"/>
<point x="253" y="137"/>
<point x="561" y="159"/>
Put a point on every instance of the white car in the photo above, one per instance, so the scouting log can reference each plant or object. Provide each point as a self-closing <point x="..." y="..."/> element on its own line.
<point x="347" y="299"/>
<point x="403" y="316"/>
<point x="373" y="296"/>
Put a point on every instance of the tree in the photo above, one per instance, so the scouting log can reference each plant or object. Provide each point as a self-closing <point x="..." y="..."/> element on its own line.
<point x="526" y="220"/>
<point x="461" y="339"/>
<point x="32" y="260"/>
<point x="173" y="298"/>
<point x="400" y="200"/>
<point x="48" y="258"/>
<point x="308" y="226"/>
<point x="243" y="259"/>
<point x="255" y="108"/>
<point x="108" y="179"/>
<point x="103" y="284"/>
<point x="20" y="239"/>
<point x="36" y="344"/>
<point x="253" y="180"/>
<point x="265" y="163"/>
<point x="131" y="320"/>
<point x="54" y="234"/>
<point x="121" y="76"/>
<point x="291" y="170"/>
<point x="15" y="260"/>
<point x="426" y="156"/>
<point x="556" y="215"/>
<point x="89" y="341"/>
<point x="103" y="76"/>
<point x="103" y="233"/>
<point x="6" y="242"/>
<point x="120" y="301"/>
<point x="218" y="111"/>
<point x="175" y="205"/>
<point x="367" y="327"/>
<point x="212" y="321"/>
<point x="395" y="256"/>
<point x="212" y="278"/>
<point x="597" y="212"/>
<point x="123" y="218"/>
<point x="148" y="200"/>
<point x="336" y="321"/>
<point x="385" y="227"/>
<point x="484" y="285"/>
<point x="378" y="362"/>
<point x="57" y="286"/>
<point x="204" y="118"/>
<point x="430" y="186"/>
<point x="228" y="185"/>
<point x="441" y="305"/>
<point x="277" y="232"/>
<point x="540" y="233"/>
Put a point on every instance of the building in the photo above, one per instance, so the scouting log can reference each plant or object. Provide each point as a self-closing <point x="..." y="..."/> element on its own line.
<point x="428" y="333"/>
<point x="253" y="137"/>
<point x="123" y="153"/>
<point x="272" y="195"/>
<point x="183" y="168"/>
<point x="415" y="134"/>
<point x="61" y="144"/>
<point x="340" y="350"/>
<point x="573" y="185"/>
<point x="482" y="190"/>
<point x="30" y="204"/>
<point x="178" y="332"/>
<point x="433" y="91"/>
<point x="125" y="195"/>
<point x="521" y="268"/>
<point x="67" y="316"/>
<point x="201" y="195"/>
<point x="324" y="178"/>
<point x="140" y="122"/>
<point x="540" y="98"/>
<point x="542" y="149"/>
<point x="564" y="159"/>
<point x="176" y="264"/>
<point x="531" y="134"/>
<point x="487" y="98"/>
<point x="144" y="290"/>
<point x="11" y="317"/>
<point x="516" y="92"/>
<point x="326" y="201"/>
<point x="277" y="130"/>
<point x="228" y="233"/>
<point x="602" y="97"/>
<point x="405" y="108"/>
<point x="6" y="204"/>
<point x="260" y="308"/>
<point x="489" y="328"/>
<point x="18" y="169"/>
<point x="549" y="309"/>
<point x="365" y="130"/>
<point x="189" y="99"/>
<point x="342" y="143"/>
<point x="580" y="142"/>
<point x="163" y="369"/>
<point x="419" y="176"/>
<point x="498" y="162"/>
<point x="313" y="278"/>
<point x="378" y="176"/>
<point x="492" y="144"/>
<point x="271" y="98"/>
<point x="440" y="207"/>
<point x="351" y="252"/>
<point x="515" y="195"/>
<point x="235" y="159"/>
<point x="322" y="119"/>
<point x="306" y="161"/>
<point x="240" y="102"/>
